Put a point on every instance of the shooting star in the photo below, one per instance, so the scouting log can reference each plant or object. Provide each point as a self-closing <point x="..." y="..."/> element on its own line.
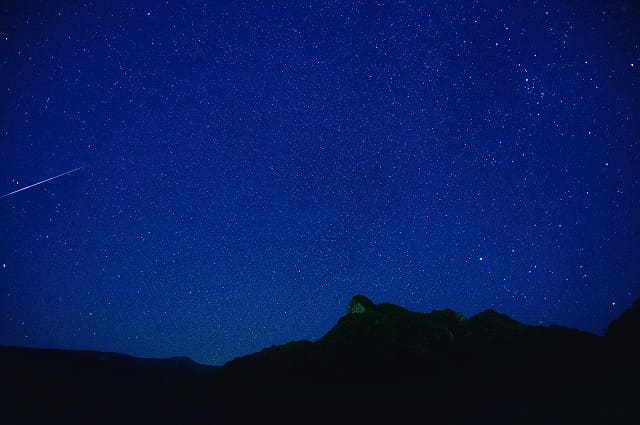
<point x="43" y="181"/>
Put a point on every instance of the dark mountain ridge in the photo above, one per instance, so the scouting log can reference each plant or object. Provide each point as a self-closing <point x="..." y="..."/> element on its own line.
<point x="380" y="363"/>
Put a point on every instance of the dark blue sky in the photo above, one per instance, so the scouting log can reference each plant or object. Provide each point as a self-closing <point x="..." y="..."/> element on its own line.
<point x="250" y="166"/>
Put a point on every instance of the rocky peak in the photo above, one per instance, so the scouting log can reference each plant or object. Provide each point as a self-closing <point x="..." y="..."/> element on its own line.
<point x="359" y="304"/>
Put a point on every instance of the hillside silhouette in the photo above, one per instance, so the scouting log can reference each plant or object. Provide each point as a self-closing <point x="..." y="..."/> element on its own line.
<point x="380" y="363"/>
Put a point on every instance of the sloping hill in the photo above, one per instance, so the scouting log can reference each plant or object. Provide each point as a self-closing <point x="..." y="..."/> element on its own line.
<point x="383" y="363"/>
<point x="95" y="387"/>
<point x="380" y="363"/>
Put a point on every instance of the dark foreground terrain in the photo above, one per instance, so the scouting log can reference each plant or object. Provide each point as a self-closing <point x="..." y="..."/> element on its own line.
<point x="379" y="364"/>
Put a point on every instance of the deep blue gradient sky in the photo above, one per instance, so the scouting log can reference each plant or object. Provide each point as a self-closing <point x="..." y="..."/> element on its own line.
<point x="250" y="166"/>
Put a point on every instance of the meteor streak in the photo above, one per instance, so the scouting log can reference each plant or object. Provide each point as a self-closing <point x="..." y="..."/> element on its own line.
<point x="43" y="181"/>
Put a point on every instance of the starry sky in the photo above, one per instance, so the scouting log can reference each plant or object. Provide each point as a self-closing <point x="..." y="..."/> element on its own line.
<point x="249" y="166"/>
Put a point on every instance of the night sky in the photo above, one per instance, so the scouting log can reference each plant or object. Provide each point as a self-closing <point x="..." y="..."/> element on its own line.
<point x="248" y="167"/>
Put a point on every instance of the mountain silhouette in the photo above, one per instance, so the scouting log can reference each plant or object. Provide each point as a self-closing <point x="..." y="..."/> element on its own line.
<point x="380" y="363"/>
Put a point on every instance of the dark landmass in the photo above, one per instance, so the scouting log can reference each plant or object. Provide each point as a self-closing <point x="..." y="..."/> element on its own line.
<point x="379" y="364"/>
